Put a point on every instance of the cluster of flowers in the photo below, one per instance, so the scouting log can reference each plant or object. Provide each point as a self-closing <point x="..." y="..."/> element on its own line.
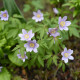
<point x="38" y="16"/>
<point x="31" y="45"/>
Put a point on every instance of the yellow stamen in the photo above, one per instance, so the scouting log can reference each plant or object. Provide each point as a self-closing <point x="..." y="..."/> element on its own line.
<point x="66" y="55"/>
<point x="31" y="44"/>
<point x="38" y="15"/>
<point x="62" y="23"/>
<point x="4" y="15"/>
<point x="26" y="36"/>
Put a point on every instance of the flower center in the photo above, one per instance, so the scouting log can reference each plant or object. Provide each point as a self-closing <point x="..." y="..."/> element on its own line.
<point x="53" y="31"/>
<point x="26" y="36"/>
<point x="38" y="15"/>
<point x="23" y="56"/>
<point x="31" y="44"/>
<point x="62" y="23"/>
<point x="66" y="55"/>
<point x="4" y="15"/>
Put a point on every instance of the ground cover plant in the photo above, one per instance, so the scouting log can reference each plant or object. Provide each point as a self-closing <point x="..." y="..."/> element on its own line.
<point x="41" y="42"/>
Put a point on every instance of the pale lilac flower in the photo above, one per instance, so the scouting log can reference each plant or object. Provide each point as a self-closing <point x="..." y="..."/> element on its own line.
<point x="4" y="15"/>
<point x="1" y="68"/>
<point x="31" y="46"/>
<point x="63" y="23"/>
<point x="26" y="35"/>
<point x="67" y="55"/>
<point x="53" y="32"/>
<point x="55" y="10"/>
<point x="38" y="16"/>
<point x="22" y="57"/>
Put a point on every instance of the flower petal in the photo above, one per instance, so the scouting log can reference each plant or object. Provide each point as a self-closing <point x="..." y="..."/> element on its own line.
<point x="59" y="20"/>
<point x="68" y="23"/>
<point x="66" y="28"/>
<point x="66" y="60"/>
<point x="71" y="57"/>
<point x="24" y="31"/>
<point x="64" y="18"/>
<point x="70" y="51"/>
<point x="35" y="50"/>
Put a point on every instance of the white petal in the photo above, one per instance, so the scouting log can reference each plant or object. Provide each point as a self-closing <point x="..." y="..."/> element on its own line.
<point x="26" y="57"/>
<point x="71" y="57"/>
<point x="24" y="31"/>
<point x="68" y="23"/>
<point x="63" y="58"/>
<point x="25" y="45"/>
<point x="62" y="53"/>
<point x="23" y="60"/>
<point x="59" y="20"/>
<point x="70" y="51"/>
<point x="64" y="18"/>
<point x="20" y="35"/>
<point x="66" y="28"/>
<point x="60" y="28"/>
<point x="35" y="50"/>
<point x="37" y="45"/>
<point x="34" y="18"/>
<point x="29" y="49"/>
<point x="38" y="11"/>
<point x="34" y="13"/>
<point x="66" y="60"/>
<point x="65" y="49"/>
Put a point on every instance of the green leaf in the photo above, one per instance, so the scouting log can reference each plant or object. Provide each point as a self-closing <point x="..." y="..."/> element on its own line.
<point x="17" y="47"/>
<point x="49" y="62"/>
<point x="4" y="74"/>
<point x="63" y="67"/>
<point x="14" y="59"/>
<point x="74" y="31"/>
<point x="60" y="64"/>
<point x="41" y="61"/>
<point x="12" y="33"/>
<point x="51" y="43"/>
<point x="47" y="56"/>
<point x="41" y="33"/>
<point x="11" y="6"/>
<point x="2" y="42"/>
<point x="75" y="13"/>
<point x="26" y="8"/>
<point x="55" y="57"/>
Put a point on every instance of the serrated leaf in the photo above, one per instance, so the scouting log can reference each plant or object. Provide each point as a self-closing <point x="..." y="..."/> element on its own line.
<point x="41" y="61"/>
<point x="12" y="33"/>
<point x="49" y="62"/>
<point x="47" y="56"/>
<point x="41" y="33"/>
<point x="2" y="42"/>
<point x="51" y="43"/>
<point x="74" y="31"/>
<point x="17" y="47"/>
<point x="55" y="59"/>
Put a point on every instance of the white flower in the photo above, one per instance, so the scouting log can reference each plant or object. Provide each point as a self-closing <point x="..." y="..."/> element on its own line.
<point x="67" y="55"/>
<point x="38" y="16"/>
